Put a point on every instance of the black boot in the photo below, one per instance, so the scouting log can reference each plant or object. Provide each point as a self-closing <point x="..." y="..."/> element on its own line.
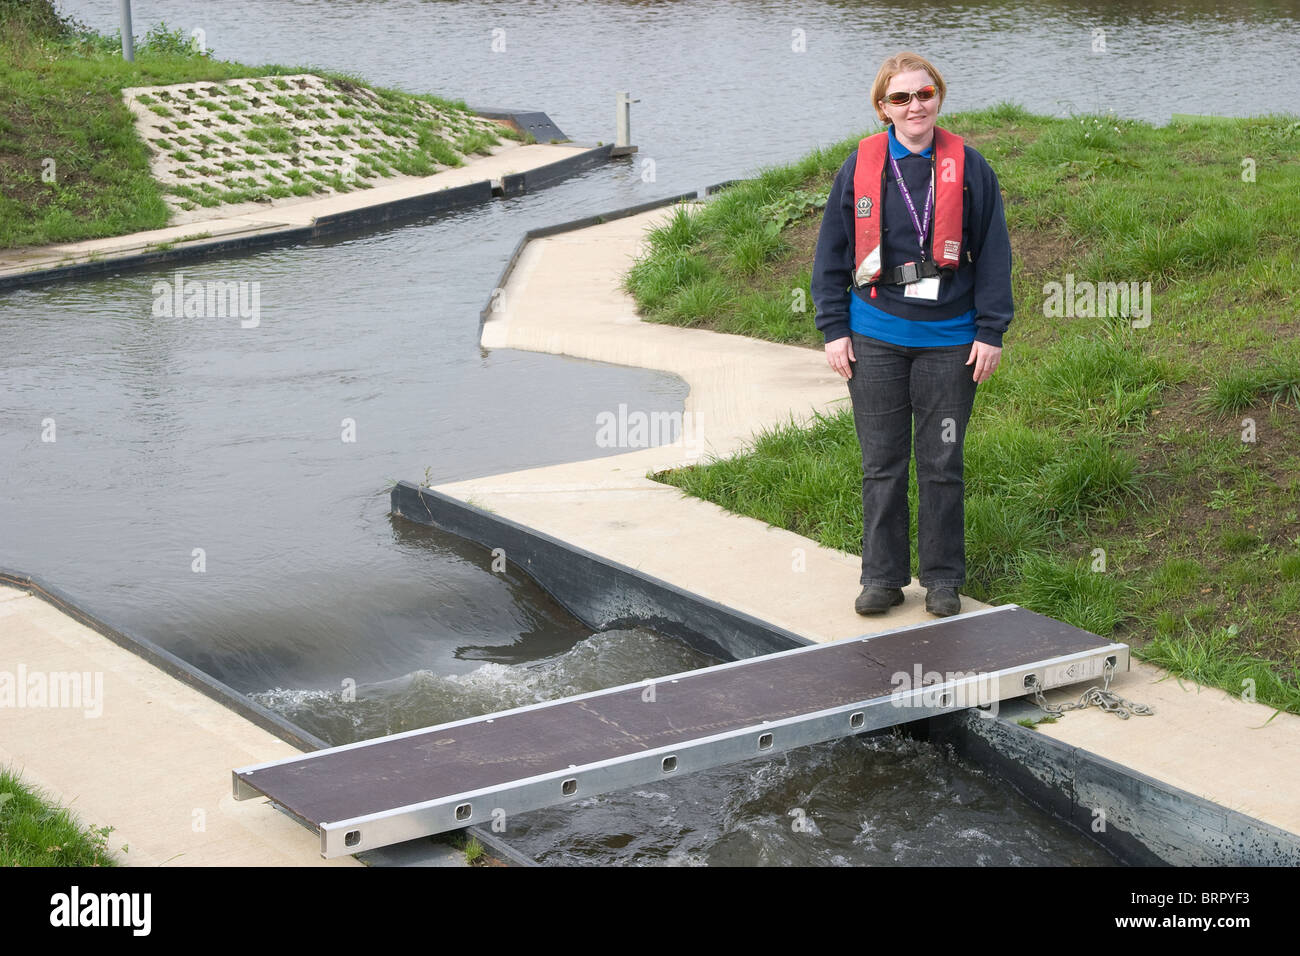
<point x="874" y="600"/>
<point x="942" y="601"/>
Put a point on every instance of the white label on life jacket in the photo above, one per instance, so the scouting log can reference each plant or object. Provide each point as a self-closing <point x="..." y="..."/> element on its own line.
<point x="922" y="289"/>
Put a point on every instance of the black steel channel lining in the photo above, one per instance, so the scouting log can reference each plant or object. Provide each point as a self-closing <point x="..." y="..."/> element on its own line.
<point x="409" y="207"/>
<point x="140" y="260"/>
<point x="597" y="591"/>
<point x="536" y="123"/>
<point x="718" y="187"/>
<point x="210" y="687"/>
<point x="584" y="222"/>
<point x="443" y="200"/>
<point x="1174" y="826"/>
<point x="515" y="184"/>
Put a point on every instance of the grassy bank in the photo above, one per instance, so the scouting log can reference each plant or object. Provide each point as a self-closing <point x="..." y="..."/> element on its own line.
<point x="36" y="832"/>
<point x="1140" y="482"/>
<point x="74" y="167"/>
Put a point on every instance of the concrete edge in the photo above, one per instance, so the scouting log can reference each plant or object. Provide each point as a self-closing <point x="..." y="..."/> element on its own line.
<point x="264" y="718"/>
<point x="1141" y="820"/>
<point x="497" y="846"/>
<point x="599" y="592"/>
<point x="584" y="222"/>
<point x="438" y="201"/>
<point x="168" y="663"/>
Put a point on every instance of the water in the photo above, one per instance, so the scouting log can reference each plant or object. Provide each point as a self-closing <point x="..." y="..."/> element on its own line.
<point x="886" y="800"/>
<point x="185" y="444"/>
<point x="199" y="491"/>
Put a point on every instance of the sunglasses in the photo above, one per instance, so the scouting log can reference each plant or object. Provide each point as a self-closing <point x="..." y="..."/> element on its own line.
<point x="924" y="94"/>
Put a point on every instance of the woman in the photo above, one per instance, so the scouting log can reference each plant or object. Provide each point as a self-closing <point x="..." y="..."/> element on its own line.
<point x="912" y="284"/>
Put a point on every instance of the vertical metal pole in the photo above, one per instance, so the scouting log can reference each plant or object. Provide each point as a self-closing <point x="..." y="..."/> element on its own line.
<point x="623" y="119"/>
<point x="128" y="41"/>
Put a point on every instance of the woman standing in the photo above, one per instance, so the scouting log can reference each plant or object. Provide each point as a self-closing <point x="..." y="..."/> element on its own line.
<point x="912" y="284"/>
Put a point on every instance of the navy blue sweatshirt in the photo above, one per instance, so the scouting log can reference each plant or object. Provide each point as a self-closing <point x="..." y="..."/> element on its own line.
<point x="974" y="303"/>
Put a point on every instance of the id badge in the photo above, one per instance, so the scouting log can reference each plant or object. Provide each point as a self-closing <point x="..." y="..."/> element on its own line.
<point x="922" y="289"/>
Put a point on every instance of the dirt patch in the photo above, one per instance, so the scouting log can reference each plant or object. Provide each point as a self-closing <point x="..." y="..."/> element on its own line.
<point x="802" y="241"/>
<point x="1039" y="251"/>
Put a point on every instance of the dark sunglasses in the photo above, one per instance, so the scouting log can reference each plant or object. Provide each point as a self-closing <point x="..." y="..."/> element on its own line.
<point x="924" y="94"/>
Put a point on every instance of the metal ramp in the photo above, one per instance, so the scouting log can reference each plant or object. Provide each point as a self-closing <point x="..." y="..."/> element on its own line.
<point x="404" y="786"/>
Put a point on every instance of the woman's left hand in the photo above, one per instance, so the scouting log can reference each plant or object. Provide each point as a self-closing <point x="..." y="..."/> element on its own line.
<point x="986" y="359"/>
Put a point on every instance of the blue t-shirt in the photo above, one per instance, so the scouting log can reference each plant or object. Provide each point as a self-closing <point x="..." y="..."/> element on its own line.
<point x="866" y="319"/>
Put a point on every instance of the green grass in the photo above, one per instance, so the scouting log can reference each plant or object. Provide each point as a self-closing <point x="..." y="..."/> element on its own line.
<point x="60" y="100"/>
<point x="475" y="852"/>
<point x="475" y="141"/>
<point x="1138" y="482"/>
<point x="1032" y="724"/>
<point x="36" y="832"/>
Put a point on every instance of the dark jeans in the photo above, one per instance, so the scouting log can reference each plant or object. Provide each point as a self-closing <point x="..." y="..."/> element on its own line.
<point x="891" y="384"/>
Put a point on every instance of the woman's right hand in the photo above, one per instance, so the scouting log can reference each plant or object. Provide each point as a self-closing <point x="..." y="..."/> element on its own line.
<point x="839" y="354"/>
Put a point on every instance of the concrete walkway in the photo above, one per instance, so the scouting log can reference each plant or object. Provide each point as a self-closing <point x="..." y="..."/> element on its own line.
<point x="282" y="215"/>
<point x="154" y="762"/>
<point x="564" y="297"/>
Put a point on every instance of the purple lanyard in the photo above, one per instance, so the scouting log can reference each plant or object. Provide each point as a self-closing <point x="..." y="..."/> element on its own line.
<point x="921" y="229"/>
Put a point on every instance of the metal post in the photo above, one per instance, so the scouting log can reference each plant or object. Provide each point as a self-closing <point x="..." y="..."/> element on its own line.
<point x="128" y="41"/>
<point x="623" y="110"/>
<point x="624" y="113"/>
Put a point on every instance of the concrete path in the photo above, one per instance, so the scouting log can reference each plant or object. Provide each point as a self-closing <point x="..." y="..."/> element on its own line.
<point x="150" y="757"/>
<point x="564" y="297"/>
<point x="280" y="215"/>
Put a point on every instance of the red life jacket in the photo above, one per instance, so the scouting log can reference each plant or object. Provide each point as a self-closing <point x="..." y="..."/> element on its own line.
<point x="868" y="182"/>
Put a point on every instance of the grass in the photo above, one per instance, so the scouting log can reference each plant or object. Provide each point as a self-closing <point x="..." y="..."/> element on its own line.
<point x="36" y="832"/>
<point x="1033" y="723"/>
<point x="475" y="854"/>
<point x="473" y="851"/>
<point x="1139" y="482"/>
<point x="61" y="101"/>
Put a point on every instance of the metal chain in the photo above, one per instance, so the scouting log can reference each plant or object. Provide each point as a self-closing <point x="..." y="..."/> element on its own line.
<point x="1102" y="697"/>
